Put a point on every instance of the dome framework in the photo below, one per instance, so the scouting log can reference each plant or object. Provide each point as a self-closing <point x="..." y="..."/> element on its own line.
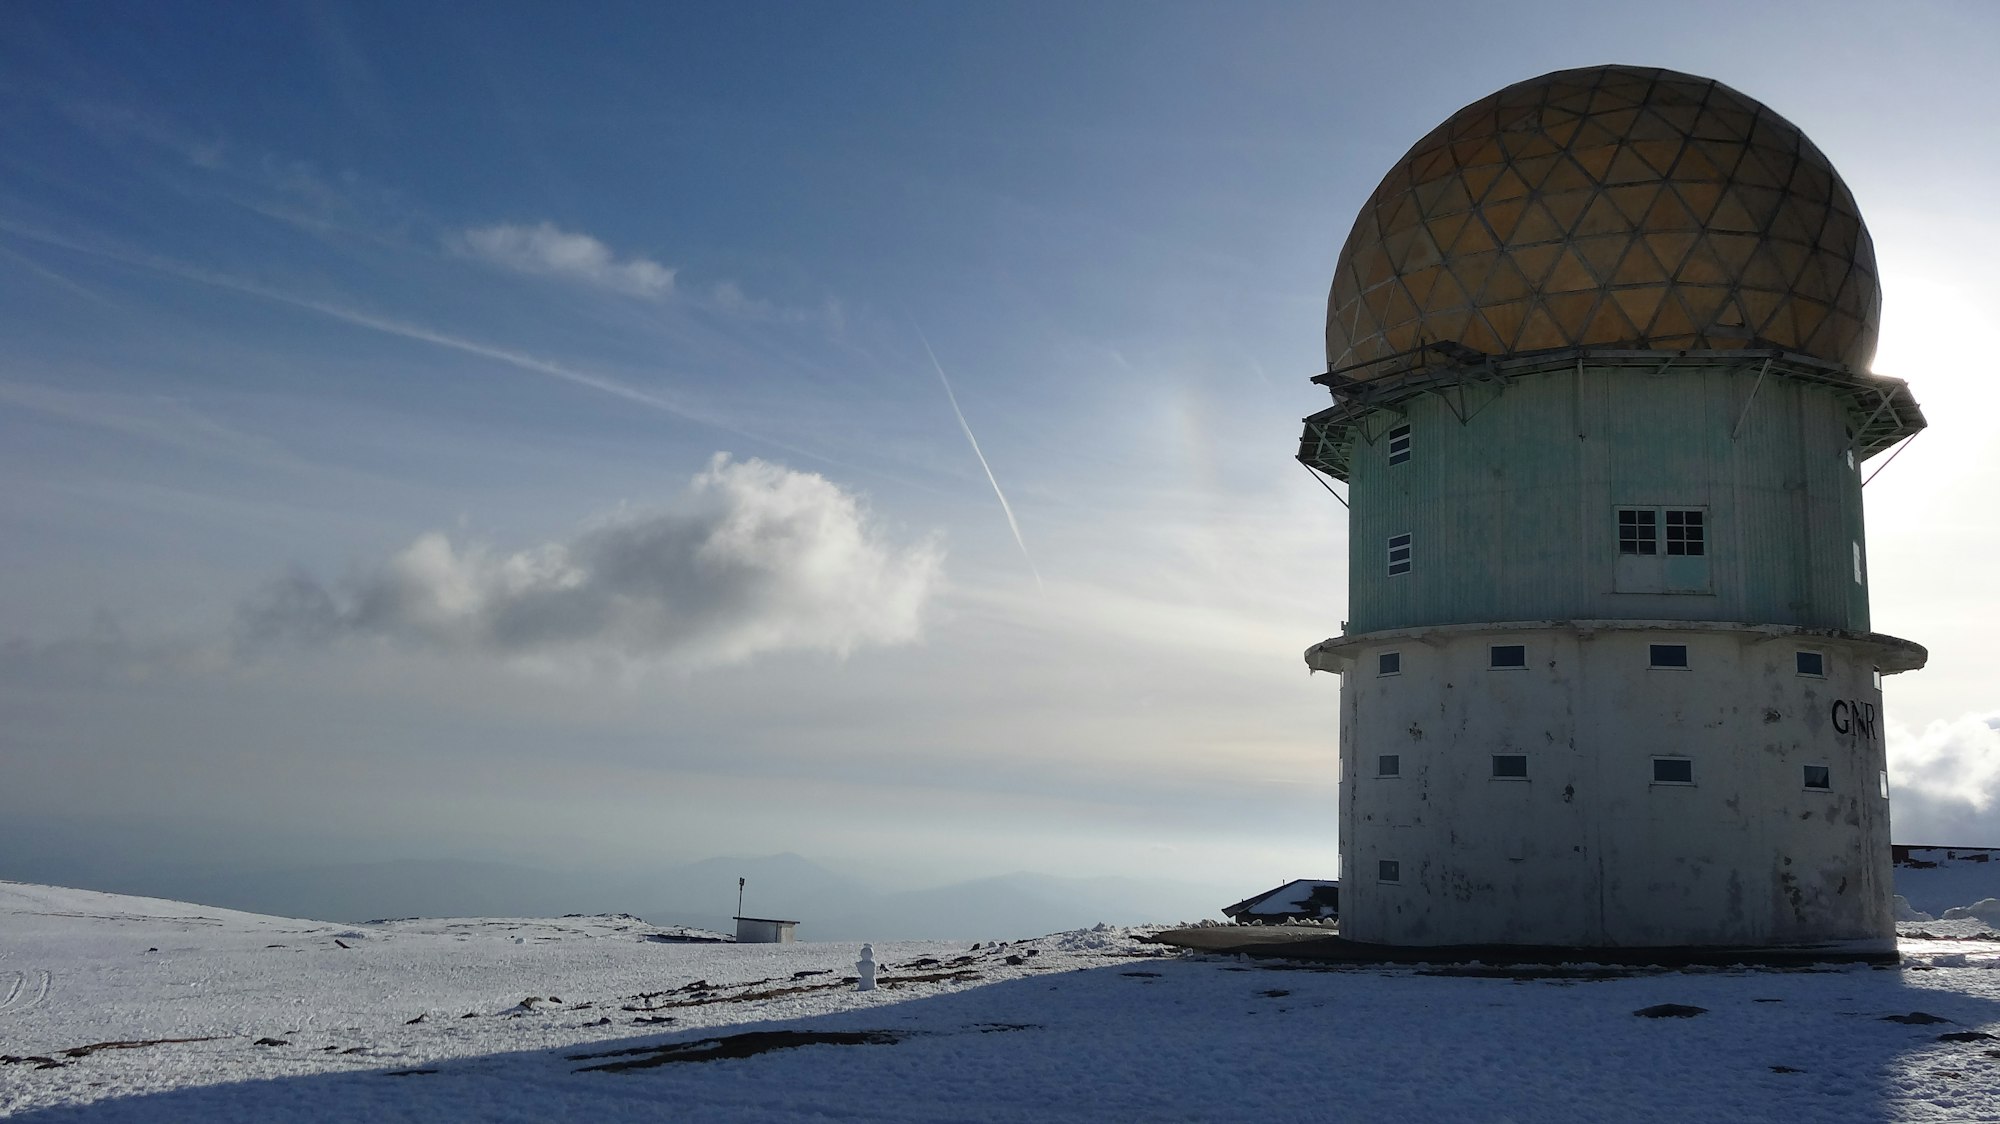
<point x="1609" y="206"/>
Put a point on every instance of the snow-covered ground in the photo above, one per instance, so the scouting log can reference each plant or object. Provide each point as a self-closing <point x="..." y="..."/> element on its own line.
<point x="129" y="1009"/>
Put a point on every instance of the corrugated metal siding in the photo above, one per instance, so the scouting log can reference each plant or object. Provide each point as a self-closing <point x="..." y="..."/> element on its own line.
<point x="1512" y="512"/>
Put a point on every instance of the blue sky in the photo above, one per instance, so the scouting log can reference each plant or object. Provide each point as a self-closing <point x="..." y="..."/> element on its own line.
<point x="341" y="338"/>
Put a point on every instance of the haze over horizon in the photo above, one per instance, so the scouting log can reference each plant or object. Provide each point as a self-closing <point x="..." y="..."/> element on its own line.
<point x="606" y="441"/>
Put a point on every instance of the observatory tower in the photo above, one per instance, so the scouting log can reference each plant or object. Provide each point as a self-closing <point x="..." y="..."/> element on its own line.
<point x="1598" y="349"/>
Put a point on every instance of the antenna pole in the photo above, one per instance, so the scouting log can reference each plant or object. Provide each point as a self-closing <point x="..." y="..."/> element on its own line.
<point x="739" y="897"/>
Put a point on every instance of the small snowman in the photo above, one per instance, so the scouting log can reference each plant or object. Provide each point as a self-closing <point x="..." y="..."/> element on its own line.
<point x="865" y="969"/>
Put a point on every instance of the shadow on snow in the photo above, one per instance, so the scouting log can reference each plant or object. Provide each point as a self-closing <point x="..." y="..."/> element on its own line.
<point x="1182" y="1039"/>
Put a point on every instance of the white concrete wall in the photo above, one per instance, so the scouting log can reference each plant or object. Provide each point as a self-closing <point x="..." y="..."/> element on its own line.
<point x="1588" y="850"/>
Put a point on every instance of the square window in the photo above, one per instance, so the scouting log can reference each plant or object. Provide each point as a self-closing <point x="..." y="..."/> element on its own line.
<point x="1510" y="766"/>
<point x="1813" y="664"/>
<point x="1399" y="444"/>
<point x="1389" y="663"/>
<point x="1685" y="534"/>
<point x="1673" y="770"/>
<point x="1670" y="655"/>
<point x="1389" y="765"/>
<point x="1819" y="776"/>
<point x="1399" y="554"/>
<point x="1638" y="531"/>
<point x="1509" y="655"/>
<point x="1388" y="870"/>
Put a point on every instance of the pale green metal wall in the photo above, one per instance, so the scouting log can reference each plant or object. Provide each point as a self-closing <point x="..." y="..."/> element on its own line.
<point x="1513" y="511"/>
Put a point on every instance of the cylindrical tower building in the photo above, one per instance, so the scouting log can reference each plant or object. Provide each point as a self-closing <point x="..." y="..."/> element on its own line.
<point x="1598" y="349"/>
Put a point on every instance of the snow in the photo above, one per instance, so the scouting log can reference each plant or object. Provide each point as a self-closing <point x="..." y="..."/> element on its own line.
<point x="1092" y="1025"/>
<point x="1950" y="877"/>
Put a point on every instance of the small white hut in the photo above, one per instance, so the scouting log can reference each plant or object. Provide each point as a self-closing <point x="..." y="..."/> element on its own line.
<point x="765" y="930"/>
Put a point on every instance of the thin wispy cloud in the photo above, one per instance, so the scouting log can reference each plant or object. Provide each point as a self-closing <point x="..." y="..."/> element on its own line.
<point x="549" y="368"/>
<point x="546" y="250"/>
<point x="752" y="558"/>
<point x="1005" y="507"/>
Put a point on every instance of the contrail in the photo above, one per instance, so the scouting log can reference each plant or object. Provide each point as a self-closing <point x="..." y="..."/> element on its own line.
<point x="1005" y="507"/>
<point x="408" y="331"/>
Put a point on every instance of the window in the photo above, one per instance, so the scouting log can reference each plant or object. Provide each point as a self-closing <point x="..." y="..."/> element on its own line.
<point x="1388" y="870"/>
<point x="1389" y="663"/>
<point x="1638" y="531"/>
<point x="1389" y="765"/>
<point x="1813" y="664"/>
<point x="1878" y="678"/>
<point x="1399" y="444"/>
<point x="1510" y="766"/>
<point x="1648" y="562"/>
<point x="1684" y="533"/>
<point x="1673" y="770"/>
<point x="1819" y="776"/>
<point x="1509" y="655"/>
<point x="1882" y="781"/>
<point x="1670" y="655"/>
<point x="1399" y="555"/>
<point x="1857" y="563"/>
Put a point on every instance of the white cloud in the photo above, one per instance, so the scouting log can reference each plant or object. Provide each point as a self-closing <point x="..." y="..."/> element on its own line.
<point x="546" y="250"/>
<point x="1946" y="782"/>
<point x="752" y="558"/>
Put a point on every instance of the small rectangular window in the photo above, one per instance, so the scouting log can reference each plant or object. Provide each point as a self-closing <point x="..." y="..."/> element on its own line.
<point x="1819" y="776"/>
<point x="1638" y="531"/>
<point x="1399" y="554"/>
<point x="1857" y="563"/>
<point x="1813" y="664"/>
<point x="1399" y="444"/>
<point x="1388" y="870"/>
<point x="1508" y="655"/>
<point x="1673" y="770"/>
<point x="1510" y="766"/>
<point x="1685" y="535"/>
<point x="1669" y="655"/>
<point x="1389" y="663"/>
<point x="1878" y="678"/>
<point x="1882" y="780"/>
<point x="1389" y="765"/>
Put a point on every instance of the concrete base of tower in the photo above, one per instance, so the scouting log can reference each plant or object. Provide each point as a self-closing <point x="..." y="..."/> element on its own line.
<point x="1611" y="784"/>
<point x="1316" y="945"/>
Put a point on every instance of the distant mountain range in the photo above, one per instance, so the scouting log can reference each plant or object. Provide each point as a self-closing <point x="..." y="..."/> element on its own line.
<point x="827" y="904"/>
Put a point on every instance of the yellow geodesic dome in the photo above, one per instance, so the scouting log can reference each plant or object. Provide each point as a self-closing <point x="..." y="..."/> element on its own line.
<point x="1612" y="206"/>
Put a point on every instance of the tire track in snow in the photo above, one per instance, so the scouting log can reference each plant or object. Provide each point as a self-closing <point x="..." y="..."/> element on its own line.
<point x="41" y="979"/>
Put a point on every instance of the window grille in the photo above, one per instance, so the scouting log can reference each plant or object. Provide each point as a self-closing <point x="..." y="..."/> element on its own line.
<point x="1685" y="533"/>
<point x="1638" y="531"/>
